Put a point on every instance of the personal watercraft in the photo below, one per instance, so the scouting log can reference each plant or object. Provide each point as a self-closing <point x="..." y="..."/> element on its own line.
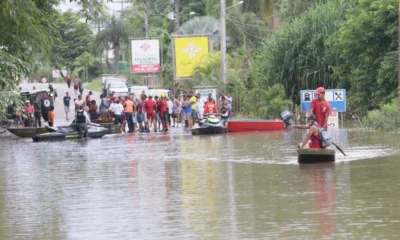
<point x="69" y="132"/>
<point x="210" y="125"/>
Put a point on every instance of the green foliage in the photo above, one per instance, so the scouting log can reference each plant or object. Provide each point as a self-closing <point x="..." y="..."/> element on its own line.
<point x="298" y="56"/>
<point x="387" y="118"/>
<point x="290" y="9"/>
<point x="87" y="66"/>
<point x="201" y="26"/>
<point x="115" y="32"/>
<point x="75" y="39"/>
<point x="367" y="45"/>
<point x="268" y="103"/>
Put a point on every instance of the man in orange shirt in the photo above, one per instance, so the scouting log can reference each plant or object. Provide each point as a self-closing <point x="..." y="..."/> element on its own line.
<point x="210" y="107"/>
<point x="129" y="109"/>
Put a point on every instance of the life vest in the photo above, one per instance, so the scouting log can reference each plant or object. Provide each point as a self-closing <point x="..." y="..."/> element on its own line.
<point x="80" y="117"/>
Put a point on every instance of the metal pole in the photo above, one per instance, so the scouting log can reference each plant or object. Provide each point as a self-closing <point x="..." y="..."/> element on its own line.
<point x="176" y="2"/>
<point x="146" y="22"/>
<point x="223" y="42"/>
<point x="398" y="74"/>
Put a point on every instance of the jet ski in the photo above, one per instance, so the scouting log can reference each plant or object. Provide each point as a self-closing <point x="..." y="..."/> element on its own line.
<point x="69" y="132"/>
<point x="210" y="125"/>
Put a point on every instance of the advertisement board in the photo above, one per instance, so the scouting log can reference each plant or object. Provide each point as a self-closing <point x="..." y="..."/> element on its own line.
<point x="188" y="51"/>
<point x="145" y="56"/>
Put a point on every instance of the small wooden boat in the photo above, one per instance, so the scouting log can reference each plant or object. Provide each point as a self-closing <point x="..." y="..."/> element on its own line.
<point x="315" y="155"/>
<point x="104" y="120"/>
<point x="255" y="125"/>
<point x="27" y="132"/>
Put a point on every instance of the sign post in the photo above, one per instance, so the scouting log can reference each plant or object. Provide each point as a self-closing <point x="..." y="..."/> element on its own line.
<point x="335" y="97"/>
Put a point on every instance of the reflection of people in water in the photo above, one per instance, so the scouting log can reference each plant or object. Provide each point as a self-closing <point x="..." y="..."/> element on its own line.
<point x="322" y="181"/>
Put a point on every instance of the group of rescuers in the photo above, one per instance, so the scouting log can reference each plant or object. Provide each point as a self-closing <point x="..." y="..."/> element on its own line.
<point x="147" y="111"/>
<point x="318" y="117"/>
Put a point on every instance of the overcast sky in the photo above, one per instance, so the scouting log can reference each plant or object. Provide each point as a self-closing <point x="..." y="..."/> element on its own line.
<point x="113" y="7"/>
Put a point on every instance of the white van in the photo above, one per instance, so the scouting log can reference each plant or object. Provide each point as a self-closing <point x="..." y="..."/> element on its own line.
<point x="157" y="92"/>
<point x="137" y="90"/>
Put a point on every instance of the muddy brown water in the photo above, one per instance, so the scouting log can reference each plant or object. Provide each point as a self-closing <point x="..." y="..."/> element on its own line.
<point x="178" y="186"/>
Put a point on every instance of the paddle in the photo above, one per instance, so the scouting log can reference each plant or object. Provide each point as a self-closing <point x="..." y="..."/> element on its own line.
<point x="338" y="148"/>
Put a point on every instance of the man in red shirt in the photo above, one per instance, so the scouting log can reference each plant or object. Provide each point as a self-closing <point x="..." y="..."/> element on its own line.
<point x="210" y="107"/>
<point x="321" y="108"/>
<point x="163" y="112"/>
<point x="149" y="107"/>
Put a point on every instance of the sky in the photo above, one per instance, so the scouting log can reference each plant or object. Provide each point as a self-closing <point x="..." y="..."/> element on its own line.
<point x="113" y="7"/>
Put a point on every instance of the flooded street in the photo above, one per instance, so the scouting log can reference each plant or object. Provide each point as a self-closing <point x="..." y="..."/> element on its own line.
<point x="178" y="186"/>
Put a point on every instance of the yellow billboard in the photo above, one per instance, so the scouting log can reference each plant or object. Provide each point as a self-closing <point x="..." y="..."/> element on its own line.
<point x="188" y="52"/>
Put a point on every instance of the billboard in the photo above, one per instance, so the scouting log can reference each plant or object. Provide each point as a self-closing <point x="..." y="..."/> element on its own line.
<point x="205" y="91"/>
<point x="188" y="52"/>
<point x="145" y="56"/>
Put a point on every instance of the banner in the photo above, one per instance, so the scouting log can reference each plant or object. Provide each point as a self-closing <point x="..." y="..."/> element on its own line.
<point x="145" y="56"/>
<point x="188" y="52"/>
<point x="205" y="91"/>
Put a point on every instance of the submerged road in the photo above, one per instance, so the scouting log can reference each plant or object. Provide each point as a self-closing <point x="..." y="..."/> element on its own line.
<point x="178" y="186"/>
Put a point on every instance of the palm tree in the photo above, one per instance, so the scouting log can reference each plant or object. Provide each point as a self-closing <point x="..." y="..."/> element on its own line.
<point x="114" y="33"/>
<point x="83" y="63"/>
<point x="201" y="26"/>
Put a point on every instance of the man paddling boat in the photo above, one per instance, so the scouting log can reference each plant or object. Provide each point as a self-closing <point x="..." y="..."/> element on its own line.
<point x="313" y="138"/>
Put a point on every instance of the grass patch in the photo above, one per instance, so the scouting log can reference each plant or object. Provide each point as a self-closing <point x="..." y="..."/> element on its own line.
<point x="95" y="85"/>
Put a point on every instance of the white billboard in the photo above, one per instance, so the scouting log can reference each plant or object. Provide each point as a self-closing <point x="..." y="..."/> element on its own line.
<point x="145" y="56"/>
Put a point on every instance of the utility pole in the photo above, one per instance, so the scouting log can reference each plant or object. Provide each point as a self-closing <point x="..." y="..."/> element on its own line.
<point x="223" y="41"/>
<point x="146" y="22"/>
<point x="176" y="15"/>
<point x="398" y="58"/>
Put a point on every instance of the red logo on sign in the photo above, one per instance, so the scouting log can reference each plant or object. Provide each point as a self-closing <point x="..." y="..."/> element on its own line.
<point x="145" y="47"/>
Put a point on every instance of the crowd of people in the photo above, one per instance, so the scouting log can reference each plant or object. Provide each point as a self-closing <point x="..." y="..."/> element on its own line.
<point x="150" y="113"/>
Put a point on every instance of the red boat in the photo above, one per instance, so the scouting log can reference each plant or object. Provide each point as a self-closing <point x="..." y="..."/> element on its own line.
<point x="254" y="125"/>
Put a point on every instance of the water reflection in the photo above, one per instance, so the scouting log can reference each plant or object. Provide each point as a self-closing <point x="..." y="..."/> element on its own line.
<point x="321" y="179"/>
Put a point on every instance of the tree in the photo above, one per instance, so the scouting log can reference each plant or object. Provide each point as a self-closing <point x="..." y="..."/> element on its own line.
<point x="75" y="39"/>
<point x="115" y="33"/>
<point x="87" y="65"/>
<point x="367" y="46"/>
<point x="298" y="55"/>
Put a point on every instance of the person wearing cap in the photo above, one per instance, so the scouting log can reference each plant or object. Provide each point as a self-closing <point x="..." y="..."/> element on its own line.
<point x="312" y="140"/>
<point x="29" y="108"/>
<point x="149" y="107"/>
<point x="321" y="108"/>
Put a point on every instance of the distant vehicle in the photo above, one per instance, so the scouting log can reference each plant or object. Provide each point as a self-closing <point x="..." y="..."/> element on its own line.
<point x="45" y="98"/>
<point x="119" y="88"/>
<point x="107" y="81"/>
<point x="137" y="90"/>
<point x="157" y="92"/>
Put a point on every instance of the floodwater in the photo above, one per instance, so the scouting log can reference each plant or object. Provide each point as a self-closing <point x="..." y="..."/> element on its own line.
<point x="177" y="186"/>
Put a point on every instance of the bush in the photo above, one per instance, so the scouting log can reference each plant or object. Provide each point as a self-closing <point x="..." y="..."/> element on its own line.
<point x="386" y="119"/>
